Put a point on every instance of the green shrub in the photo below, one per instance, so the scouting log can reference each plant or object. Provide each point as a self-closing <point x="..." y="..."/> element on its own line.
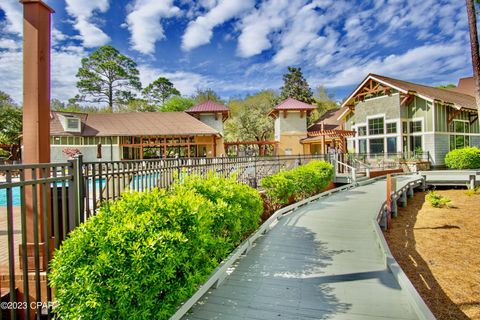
<point x="466" y="158"/>
<point x="438" y="201"/>
<point x="299" y="183"/>
<point x="279" y="187"/>
<point x="237" y="207"/>
<point x="144" y="254"/>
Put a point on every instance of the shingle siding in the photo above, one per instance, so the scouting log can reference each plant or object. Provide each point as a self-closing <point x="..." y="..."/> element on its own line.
<point x="442" y="147"/>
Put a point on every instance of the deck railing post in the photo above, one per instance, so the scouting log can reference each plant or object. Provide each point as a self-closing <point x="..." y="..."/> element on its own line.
<point x="76" y="192"/>
<point x="255" y="184"/>
<point x="403" y="199"/>
<point x="472" y="179"/>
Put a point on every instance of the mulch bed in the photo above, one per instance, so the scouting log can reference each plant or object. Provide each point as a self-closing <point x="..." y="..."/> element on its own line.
<point x="439" y="250"/>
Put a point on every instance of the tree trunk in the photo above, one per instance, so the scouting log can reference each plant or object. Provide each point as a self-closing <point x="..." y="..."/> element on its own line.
<point x="472" y="22"/>
<point x="110" y="98"/>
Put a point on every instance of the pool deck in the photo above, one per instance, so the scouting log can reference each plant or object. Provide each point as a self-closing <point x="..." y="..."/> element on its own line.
<point x="322" y="261"/>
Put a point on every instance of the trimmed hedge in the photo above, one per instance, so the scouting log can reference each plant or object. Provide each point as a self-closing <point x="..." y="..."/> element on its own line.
<point x="299" y="183"/>
<point x="144" y="254"/>
<point x="466" y="158"/>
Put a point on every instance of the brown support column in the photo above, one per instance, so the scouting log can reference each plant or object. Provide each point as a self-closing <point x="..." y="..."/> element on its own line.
<point x="141" y="147"/>
<point x="188" y="146"/>
<point x="214" y="146"/>
<point x="165" y="148"/>
<point x="36" y="109"/>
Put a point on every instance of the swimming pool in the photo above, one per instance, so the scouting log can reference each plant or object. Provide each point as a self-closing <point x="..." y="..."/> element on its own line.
<point x="136" y="183"/>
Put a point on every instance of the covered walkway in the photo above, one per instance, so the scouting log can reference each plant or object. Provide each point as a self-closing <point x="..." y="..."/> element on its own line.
<point x="322" y="261"/>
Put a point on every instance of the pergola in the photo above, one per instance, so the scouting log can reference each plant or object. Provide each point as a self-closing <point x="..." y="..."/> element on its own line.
<point x="323" y="135"/>
<point x="261" y="145"/>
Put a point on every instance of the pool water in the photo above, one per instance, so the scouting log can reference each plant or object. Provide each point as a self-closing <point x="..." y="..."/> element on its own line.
<point x="135" y="183"/>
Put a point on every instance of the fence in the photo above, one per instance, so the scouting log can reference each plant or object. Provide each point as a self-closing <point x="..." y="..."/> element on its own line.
<point x="40" y="204"/>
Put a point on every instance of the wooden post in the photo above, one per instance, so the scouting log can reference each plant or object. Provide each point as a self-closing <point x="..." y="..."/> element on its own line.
<point x="165" y="148"/>
<point x="188" y="146"/>
<point x="403" y="200"/>
<point x="141" y="147"/>
<point x="36" y="108"/>
<point x="214" y="146"/>
<point x="472" y="179"/>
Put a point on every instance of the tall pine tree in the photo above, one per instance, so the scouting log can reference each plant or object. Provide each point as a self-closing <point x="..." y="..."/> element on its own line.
<point x="296" y="86"/>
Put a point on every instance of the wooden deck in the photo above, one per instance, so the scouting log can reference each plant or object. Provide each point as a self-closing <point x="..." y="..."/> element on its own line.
<point x="451" y="177"/>
<point x="322" y="261"/>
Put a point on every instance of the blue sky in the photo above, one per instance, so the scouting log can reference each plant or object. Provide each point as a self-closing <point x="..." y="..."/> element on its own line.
<point x="237" y="47"/>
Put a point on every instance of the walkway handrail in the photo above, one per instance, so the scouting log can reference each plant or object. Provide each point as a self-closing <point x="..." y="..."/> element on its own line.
<point x="366" y="166"/>
<point x="353" y="170"/>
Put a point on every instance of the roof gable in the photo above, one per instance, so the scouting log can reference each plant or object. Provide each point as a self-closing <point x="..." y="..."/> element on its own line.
<point x="457" y="99"/>
<point x="208" y="106"/>
<point x="293" y="104"/>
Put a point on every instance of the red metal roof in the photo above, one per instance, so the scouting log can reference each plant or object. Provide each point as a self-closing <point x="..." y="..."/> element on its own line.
<point x="208" y="106"/>
<point x="292" y="104"/>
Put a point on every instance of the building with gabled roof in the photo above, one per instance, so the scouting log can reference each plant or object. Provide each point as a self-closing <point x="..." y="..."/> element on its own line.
<point x="139" y="135"/>
<point x="394" y="116"/>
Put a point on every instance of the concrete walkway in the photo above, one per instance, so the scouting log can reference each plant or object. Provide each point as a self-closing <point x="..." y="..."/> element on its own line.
<point x="320" y="262"/>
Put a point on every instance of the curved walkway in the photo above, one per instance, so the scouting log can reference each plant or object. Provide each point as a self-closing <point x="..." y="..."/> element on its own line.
<point x="322" y="261"/>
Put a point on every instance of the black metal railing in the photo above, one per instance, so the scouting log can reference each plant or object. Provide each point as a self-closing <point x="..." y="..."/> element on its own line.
<point x="41" y="203"/>
<point x="34" y="217"/>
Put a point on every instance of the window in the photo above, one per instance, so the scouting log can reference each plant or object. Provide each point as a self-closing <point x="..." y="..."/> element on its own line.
<point x="392" y="127"/>
<point x="392" y="145"/>
<point x="459" y="139"/>
<point x="415" y="126"/>
<point x="72" y="124"/>
<point x="362" y="146"/>
<point x="405" y="127"/>
<point x="416" y="143"/>
<point x="377" y="146"/>
<point x="375" y="126"/>
<point x="362" y="131"/>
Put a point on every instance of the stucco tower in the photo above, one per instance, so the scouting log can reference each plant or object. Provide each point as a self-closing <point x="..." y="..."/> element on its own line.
<point x="291" y="125"/>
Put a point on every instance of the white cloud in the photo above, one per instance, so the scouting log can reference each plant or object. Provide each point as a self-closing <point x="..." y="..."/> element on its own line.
<point x="64" y="65"/>
<point x="14" y="16"/>
<point x="200" y="31"/>
<point x="144" y="23"/>
<point x="11" y="71"/>
<point x="423" y="62"/>
<point x="271" y="16"/>
<point x="83" y="11"/>
<point x="186" y="82"/>
<point x="9" y="44"/>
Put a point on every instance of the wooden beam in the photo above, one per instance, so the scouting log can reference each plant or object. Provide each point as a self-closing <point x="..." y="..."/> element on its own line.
<point x="302" y="113"/>
<point x="473" y="117"/>
<point x="285" y="113"/>
<point x="406" y="100"/>
<point x="452" y="115"/>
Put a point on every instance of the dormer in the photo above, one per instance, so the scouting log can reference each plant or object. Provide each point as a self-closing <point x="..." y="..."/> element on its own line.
<point x="211" y="113"/>
<point x="70" y="123"/>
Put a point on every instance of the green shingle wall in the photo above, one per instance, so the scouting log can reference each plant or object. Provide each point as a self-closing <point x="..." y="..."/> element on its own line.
<point x="442" y="118"/>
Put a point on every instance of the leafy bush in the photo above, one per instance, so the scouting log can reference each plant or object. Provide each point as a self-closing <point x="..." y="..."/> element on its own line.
<point x="438" y="201"/>
<point x="144" y="254"/>
<point x="279" y="187"/>
<point x="466" y="158"/>
<point x="299" y="183"/>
